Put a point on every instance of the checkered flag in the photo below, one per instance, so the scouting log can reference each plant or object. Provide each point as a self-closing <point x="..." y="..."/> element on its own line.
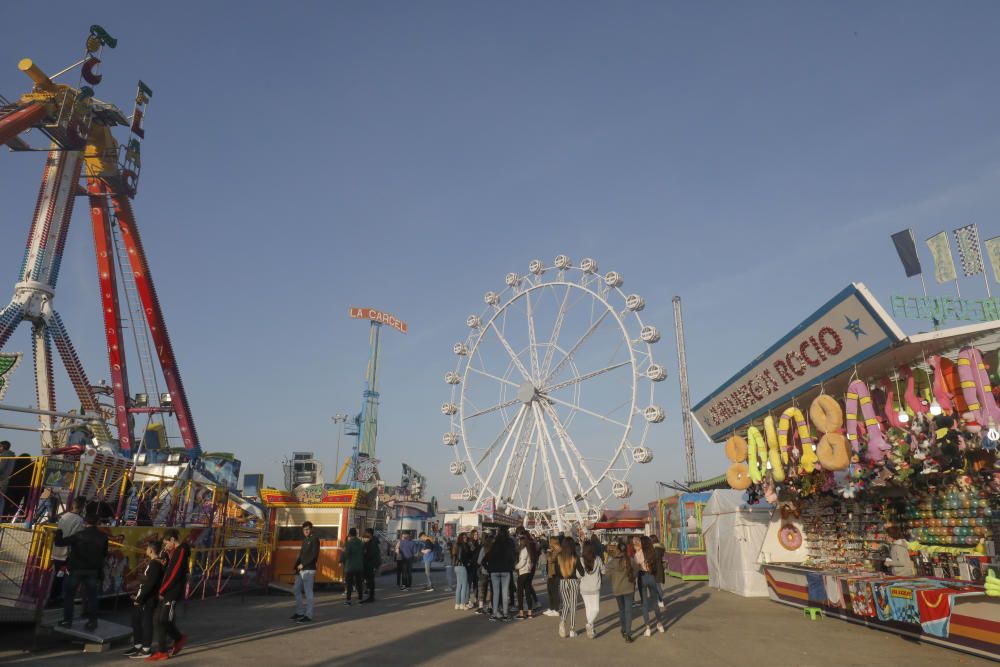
<point x="969" y="254"/>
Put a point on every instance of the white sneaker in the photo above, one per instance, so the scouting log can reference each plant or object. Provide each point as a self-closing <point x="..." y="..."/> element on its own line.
<point x="647" y="633"/>
<point x="590" y="630"/>
<point x="551" y="612"/>
<point x="562" y="629"/>
<point x="458" y="606"/>
<point x="572" y="633"/>
<point x="660" y="604"/>
<point x="659" y="627"/>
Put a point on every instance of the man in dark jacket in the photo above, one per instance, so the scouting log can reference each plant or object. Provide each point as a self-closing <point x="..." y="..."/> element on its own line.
<point x="85" y="562"/>
<point x="372" y="562"/>
<point x="144" y="603"/>
<point x="171" y="593"/>
<point x="499" y="562"/>
<point x="305" y="574"/>
<point x="354" y="564"/>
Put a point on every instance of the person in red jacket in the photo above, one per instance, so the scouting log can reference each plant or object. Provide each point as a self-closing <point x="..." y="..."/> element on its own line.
<point x="171" y="592"/>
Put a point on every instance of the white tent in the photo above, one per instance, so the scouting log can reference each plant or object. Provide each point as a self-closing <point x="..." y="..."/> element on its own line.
<point x="734" y="532"/>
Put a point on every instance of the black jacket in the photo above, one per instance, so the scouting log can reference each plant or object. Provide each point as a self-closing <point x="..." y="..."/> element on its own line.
<point x="87" y="549"/>
<point x="373" y="557"/>
<point x="175" y="574"/>
<point x="308" y="553"/>
<point x="501" y="557"/>
<point x="152" y="576"/>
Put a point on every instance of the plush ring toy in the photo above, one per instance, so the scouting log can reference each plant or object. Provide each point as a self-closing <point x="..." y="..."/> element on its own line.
<point x="976" y="386"/>
<point x="736" y="449"/>
<point x="774" y="453"/>
<point x="833" y="452"/>
<point x="857" y="392"/>
<point x="826" y="414"/>
<point x="738" y="476"/>
<point x="789" y="537"/>
<point x="808" y="460"/>
<point x="756" y="454"/>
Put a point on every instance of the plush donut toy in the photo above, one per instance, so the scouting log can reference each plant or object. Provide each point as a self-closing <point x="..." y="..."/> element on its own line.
<point x="756" y="454"/>
<point x="736" y="449"/>
<point x="774" y="453"/>
<point x="789" y="537"/>
<point x="808" y="460"/>
<point x="940" y="389"/>
<point x="857" y="392"/>
<point x="738" y="476"/>
<point x="826" y="413"/>
<point x="976" y="386"/>
<point x="833" y="452"/>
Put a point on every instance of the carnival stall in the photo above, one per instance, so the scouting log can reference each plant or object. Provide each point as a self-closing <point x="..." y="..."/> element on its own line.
<point x="680" y="518"/>
<point x="880" y="452"/>
<point x="734" y="532"/>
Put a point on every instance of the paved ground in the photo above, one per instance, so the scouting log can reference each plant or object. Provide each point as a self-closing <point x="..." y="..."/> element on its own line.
<point x="706" y="627"/>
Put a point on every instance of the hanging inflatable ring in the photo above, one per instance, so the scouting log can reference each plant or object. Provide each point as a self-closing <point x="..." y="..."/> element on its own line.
<point x="738" y="476"/>
<point x="736" y="449"/>
<point x="833" y="452"/>
<point x="808" y="459"/>
<point x="773" y="451"/>
<point x="756" y="454"/>
<point x="826" y="414"/>
<point x="789" y="537"/>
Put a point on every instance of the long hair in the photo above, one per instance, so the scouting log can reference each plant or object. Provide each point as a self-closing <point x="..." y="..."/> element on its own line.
<point x="567" y="557"/>
<point x="647" y="551"/>
<point x="589" y="556"/>
<point x="459" y="548"/>
<point x="617" y="551"/>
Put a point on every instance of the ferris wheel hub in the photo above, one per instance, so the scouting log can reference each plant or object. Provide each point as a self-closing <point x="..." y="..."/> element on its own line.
<point x="527" y="392"/>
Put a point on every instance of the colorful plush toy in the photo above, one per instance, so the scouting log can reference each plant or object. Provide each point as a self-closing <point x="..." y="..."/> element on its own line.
<point x="736" y="449"/>
<point x="940" y="389"/>
<point x="976" y="387"/>
<point x="775" y="455"/>
<point x="808" y="459"/>
<point x="857" y="394"/>
<point x="756" y="454"/>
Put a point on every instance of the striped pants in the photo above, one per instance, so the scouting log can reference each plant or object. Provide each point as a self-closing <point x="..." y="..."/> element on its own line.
<point x="569" y="591"/>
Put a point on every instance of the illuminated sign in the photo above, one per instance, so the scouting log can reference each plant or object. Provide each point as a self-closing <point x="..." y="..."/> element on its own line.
<point x="381" y="317"/>
<point x="849" y="328"/>
<point x="941" y="309"/>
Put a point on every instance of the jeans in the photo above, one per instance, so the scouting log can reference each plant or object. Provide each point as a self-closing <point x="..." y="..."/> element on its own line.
<point x="501" y="593"/>
<point x="449" y="575"/>
<point x="407" y="572"/>
<point x="91" y="583"/>
<point x="142" y="624"/>
<point x="399" y="574"/>
<point x="525" y="590"/>
<point x="485" y="591"/>
<point x="370" y="582"/>
<point x="304" y="582"/>
<point x="646" y="581"/>
<point x="356" y="581"/>
<point x="461" y="585"/>
<point x="427" y="572"/>
<point x="473" y="574"/>
<point x="552" y="585"/>
<point x="625" y="612"/>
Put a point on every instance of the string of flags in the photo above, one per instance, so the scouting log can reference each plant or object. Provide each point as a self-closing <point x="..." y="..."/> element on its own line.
<point x="970" y="253"/>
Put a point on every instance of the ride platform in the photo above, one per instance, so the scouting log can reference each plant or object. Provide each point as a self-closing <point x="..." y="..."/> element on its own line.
<point x="97" y="640"/>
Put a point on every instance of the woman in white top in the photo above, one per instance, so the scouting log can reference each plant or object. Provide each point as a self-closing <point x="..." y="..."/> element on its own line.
<point x="526" y="560"/>
<point x="590" y="585"/>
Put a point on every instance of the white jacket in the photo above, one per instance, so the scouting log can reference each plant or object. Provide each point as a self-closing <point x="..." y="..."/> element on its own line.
<point x="523" y="562"/>
<point x="590" y="582"/>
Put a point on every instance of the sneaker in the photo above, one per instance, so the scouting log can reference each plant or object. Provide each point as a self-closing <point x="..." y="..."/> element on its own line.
<point x="550" y="612"/>
<point x="159" y="655"/>
<point x="347" y="602"/>
<point x="572" y="633"/>
<point x="562" y="629"/>
<point x="628" y="639"/>
<point x="304" y="619"/>
<point x="494" y="619"/>
<point x="141" y="655"/>
<point x="660" y="604"/>
<point x="295" y="617"/>
<point x="590" y="630"/>
<point x="659" y="627"/>
<point x="179" y="644"/>
<point x="65" y="624"/>
<point x="428" y="589"/>
<point x="405" y="588"/>
<point x="647" y="633"/>
<point x="132" y="651"/>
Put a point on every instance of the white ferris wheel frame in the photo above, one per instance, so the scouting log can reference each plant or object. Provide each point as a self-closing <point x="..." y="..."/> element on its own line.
<point x="549" y="436"/>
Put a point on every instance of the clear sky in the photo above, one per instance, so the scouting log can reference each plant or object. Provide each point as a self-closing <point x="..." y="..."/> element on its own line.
<point x="304" y="157"/>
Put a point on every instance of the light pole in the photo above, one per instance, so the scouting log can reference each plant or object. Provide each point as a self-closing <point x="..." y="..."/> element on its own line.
<point x="338" y="419"/>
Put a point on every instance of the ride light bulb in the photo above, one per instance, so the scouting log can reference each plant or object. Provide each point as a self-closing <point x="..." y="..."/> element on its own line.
<point x="903" y="417"/>
<point x="936" y="408"/>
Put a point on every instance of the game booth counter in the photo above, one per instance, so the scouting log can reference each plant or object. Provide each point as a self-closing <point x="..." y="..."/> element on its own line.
<point x="879" y="452"/>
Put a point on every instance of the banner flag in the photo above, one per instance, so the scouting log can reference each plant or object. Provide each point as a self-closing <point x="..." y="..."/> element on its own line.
<point x="8" y="364"/>
<point x="907" y="250"/>
<point x="967" y="240"/>
<point x="993" y="252"/>
<point x="944" y="264"/>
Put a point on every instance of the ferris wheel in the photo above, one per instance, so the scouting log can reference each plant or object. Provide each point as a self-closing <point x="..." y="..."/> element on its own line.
<point x="552" y="395"/>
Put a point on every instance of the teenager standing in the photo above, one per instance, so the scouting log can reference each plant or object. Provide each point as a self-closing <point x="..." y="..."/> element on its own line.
<point x="171" y="593"/>
<point x="305" y="574"/>
<point x="622" y="578"/>
<point x="570" y="570"/>
<point x="590" y="585"/>
<point x="354" y="564"/>
<point x="144" y="603"/>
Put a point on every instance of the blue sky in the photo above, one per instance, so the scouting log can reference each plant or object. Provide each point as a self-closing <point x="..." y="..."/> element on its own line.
<point x="302" y="158"/>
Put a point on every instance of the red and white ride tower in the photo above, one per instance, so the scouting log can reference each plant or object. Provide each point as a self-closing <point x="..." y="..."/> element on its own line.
<point x="82" y="145"/>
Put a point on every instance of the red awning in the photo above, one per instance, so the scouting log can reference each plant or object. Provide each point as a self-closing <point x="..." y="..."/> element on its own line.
<point x="605" y="525"/>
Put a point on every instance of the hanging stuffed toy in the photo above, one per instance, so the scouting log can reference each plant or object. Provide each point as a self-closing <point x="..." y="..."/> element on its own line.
<point x="858" y="396"/>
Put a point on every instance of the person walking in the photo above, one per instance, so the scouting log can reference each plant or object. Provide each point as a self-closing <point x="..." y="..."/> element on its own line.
<point x="644" y="561"/>
<point x="622" y="578"/>
<point x="88" y="549"/>
<point x="372" y="562"/>
<point x="171" y="592"/>
<point x="570" y="570"/>
<point x="70" y="523"/>
<point x="659" y="570"/>
<point x="427" y="554"/>
<point x="590" y="584"/>
<point x="6" y="470"/>
<point x="144" y="602"/>
<point x="408" y="550"/>
<point x="305" y="574"/>
<point x="354" y="564"/>
<point x="499" y="562"/>
<point x="525" y="568"/>
<point x="552" y="580"/>
<point x="460" y="557"/>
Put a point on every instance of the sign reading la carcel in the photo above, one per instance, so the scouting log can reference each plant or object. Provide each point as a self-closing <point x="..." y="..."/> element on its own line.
<point x="849" y="328"/>
<point x="379" y="316"/>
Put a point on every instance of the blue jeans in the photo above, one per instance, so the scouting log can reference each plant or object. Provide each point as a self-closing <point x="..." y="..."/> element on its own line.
<point x="461" y="585"/>
<point x="625" y="613"/>
<point x="90" y="583"/>
<point x="501" y="593"/>
<point x="427" y="572"/>
<point x="304" y="581"/>
<point x="647" y="584"/>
